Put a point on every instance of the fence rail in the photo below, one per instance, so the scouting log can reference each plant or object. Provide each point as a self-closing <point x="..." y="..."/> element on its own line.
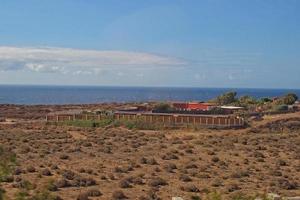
<point x="222" y="121"/>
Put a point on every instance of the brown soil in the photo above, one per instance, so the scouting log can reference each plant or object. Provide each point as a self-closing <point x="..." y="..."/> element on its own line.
<point x="116" y="163"/>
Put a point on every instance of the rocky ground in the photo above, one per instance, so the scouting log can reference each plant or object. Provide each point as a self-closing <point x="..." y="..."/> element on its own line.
<point x="116" y="163"/>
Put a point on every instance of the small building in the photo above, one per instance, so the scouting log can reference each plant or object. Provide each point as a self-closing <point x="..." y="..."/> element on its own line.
<point x="294" y="107"/>
<point x="231" y="109"/>
<point x="193" y="106"/>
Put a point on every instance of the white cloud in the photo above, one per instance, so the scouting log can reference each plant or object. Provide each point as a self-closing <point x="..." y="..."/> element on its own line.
<point x="78" y="61"/>
<point x="43" y="68"/>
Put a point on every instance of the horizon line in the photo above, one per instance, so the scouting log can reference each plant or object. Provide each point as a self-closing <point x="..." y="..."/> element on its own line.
<point x="146" y="86"/>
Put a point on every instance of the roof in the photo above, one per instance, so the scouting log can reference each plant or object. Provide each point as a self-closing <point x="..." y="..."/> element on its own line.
<point x="195" y="102"/>
<point x="232" y="107"/>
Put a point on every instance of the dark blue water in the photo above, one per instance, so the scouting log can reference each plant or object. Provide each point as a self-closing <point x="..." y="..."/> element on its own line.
<point x="90" y="94"/>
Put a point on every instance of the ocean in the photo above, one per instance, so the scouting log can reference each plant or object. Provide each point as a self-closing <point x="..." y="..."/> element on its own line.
<point x="32" y="95"/>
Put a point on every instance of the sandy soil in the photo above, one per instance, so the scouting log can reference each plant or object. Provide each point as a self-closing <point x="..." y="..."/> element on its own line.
<point x="108" y="162"/>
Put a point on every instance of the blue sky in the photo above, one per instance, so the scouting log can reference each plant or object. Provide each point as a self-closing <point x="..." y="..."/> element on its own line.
<point x="196" y="43"/>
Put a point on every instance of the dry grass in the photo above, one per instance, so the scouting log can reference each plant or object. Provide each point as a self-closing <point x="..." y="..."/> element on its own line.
<point x="116" y="163"/>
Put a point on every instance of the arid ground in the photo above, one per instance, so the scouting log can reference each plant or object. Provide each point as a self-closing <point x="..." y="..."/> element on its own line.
<point x="116" y="163"/>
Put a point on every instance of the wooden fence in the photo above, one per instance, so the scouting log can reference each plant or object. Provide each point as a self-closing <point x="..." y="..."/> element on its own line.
<point x="184" y="119"/>
<point x="172" y="120"/>
<point x="74" y="117"/>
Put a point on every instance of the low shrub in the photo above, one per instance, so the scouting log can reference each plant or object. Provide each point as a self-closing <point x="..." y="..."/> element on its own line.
<point x="157" y="182"/>
<point x="44" y="195"/>
<point x="7" y="163"/>
<point x="118" y="195"/>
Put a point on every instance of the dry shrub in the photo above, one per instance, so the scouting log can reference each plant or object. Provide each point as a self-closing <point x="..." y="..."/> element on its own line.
<point x="170" y="167"/>
<point x="46" y="172"/>
<point x="118" y="195"/>
<point x="157" y="182"/>
<point x="68" y="174"/>
<point x="31" y="169"/>
<point x="190" y="188"/>
<point x="82" y="196"/>
<point x="170" y="156"/>
<point x="124" y="184"/>
<point x="64" y="157"/>
<point x="62" y="183"/>
<point x="94" y="192"/>
<point x="185" y="178"/>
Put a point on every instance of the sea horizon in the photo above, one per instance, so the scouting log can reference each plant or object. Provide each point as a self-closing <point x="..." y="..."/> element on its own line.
<point x="91" y="94"/>
<point x="147" y="86"/>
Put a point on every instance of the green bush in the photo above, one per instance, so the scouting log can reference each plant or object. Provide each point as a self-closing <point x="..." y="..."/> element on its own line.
<point x="247" y="100"/>
<point x="280" y="108"/>
<point x="214" y="196"/>
<point x="7" y="163"/>
<point x="130" y="124"/>
<point x="226" y="98"/>
<point x="23" y="195"/>
<point x="140" y="124"/>
<point x="290" y="99"/>
<point x="163" y="107"/>
<point x="2" y="192"/>
<point x="27" y="185"/>
<point x="194" y="197"/>
<point x="241" y="196"/>
<point x="43" y="195"/>
<point x="87" y="123"/>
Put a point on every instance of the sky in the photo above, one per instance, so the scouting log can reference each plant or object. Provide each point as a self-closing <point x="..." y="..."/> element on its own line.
<point x="181" y="43"/>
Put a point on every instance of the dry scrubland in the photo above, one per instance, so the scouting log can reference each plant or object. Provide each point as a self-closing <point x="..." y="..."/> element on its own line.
<point x="116" y="163"/>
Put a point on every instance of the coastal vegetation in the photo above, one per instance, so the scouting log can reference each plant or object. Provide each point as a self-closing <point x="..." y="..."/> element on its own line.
<point x="231" y="98"/>
<point x="275" y="104"/>
<point x="249" y="103"/>
<point x="7" y="164"/>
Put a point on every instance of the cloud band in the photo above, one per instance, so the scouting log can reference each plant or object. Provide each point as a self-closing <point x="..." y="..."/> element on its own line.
<point x="67" y="60"/>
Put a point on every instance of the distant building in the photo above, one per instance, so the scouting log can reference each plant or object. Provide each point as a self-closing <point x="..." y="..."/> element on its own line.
<point x="231" y="109"/>
<point x="295" y="107"/>
<point x="193" y="106"/>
